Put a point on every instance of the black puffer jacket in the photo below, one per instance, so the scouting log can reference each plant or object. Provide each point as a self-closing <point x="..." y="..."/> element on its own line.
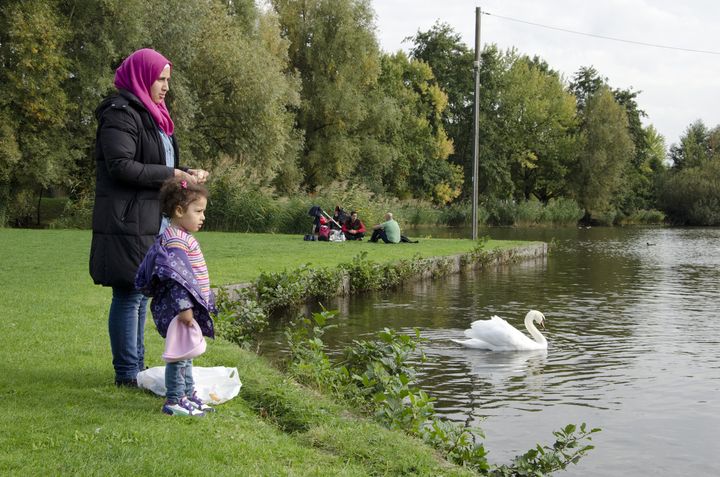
<point x="130" y="170"/>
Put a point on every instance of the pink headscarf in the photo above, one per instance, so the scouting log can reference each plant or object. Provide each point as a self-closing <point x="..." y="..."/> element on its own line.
<point x="137" y="74"/>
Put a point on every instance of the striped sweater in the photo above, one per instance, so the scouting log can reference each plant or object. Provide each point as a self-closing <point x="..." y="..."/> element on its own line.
<point x="175" y="237"/>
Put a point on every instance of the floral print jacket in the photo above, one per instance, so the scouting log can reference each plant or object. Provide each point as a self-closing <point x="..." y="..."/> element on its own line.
<point x="166" y="275"/>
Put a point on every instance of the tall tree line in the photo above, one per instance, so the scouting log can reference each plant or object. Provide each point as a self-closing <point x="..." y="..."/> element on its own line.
<point x="542" y="136"/>
<point x="297" y="95"/>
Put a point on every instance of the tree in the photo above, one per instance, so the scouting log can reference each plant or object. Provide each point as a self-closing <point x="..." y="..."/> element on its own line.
<point x="452" y="65"/>
<point x="585" y="83"/>
<point x="656" y="149"/>
<point x="527" y="128"/>
<point x="35" y="151"/>
<point x="607" y="148"/>
<point x="539" y="118"/>
<point x="96" y="45"/>
<point x="689" y="191"/>
<point x="640" y="172"/>
<point x="405" y="146"/>
<point x="232" y="93"/>
<point x="333" y="48"/>
<point x="697" y="146"/>
<point x="691" y="196"/>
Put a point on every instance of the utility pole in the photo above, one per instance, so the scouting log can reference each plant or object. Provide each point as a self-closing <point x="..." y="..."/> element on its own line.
<point x="476" y="114"/>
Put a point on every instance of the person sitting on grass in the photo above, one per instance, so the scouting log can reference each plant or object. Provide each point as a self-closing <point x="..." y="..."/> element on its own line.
<point x="353" y="228"/>
<point x="175" y="274"/>
<point x="339" y="218"/>
<point x="388" y="231"/>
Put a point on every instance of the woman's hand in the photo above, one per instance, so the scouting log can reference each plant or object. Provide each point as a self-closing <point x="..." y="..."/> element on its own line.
<point x="184" y="176"/>
<point x="193" y="176"/>
<point x="200" y="174"/>
<point x="186" y="317"/>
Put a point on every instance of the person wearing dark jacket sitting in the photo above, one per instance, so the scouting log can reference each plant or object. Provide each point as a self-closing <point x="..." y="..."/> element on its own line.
<point x="135" y="152"/>
<point x="339" y="218"/>
<point x="388" y="231"/>
<point x="353" y="228"/>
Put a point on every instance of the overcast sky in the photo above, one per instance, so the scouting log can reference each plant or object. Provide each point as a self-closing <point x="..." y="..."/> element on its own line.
<point x="677" y="87"/>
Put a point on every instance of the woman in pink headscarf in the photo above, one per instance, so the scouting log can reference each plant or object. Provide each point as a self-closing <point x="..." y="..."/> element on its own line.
<point x="136" y="151"/>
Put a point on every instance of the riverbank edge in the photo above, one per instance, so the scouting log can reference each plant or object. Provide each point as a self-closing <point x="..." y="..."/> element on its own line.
<point x="434" y="267"/>
<point x="347" y="423"/>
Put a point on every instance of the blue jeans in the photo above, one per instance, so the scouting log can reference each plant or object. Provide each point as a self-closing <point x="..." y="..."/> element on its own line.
<point x="126" y="325"/>
<point x="179" y="379"/>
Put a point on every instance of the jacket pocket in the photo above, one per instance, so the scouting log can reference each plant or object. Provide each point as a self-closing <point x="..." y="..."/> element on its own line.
<point x="149" y="217"/>
<point x="124" y="217"/>
<point x="126" y="214"/>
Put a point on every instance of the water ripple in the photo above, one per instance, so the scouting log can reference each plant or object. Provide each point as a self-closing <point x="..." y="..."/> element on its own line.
<point x="634" y="347"/>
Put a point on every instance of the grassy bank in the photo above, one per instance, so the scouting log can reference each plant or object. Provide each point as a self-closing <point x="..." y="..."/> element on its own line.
<point x="238" y="258"/>
<point x="63" y="415"/>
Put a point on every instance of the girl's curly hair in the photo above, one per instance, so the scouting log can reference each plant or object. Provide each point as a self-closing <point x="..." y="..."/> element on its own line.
<point x="179" y="192"/>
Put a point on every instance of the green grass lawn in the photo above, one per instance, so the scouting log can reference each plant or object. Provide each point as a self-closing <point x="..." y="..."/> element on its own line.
<point x="62" y="414"/>
<point x="237" y="258"/>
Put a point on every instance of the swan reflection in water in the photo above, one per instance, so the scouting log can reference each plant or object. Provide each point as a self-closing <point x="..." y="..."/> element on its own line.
<point x="504" y="368"/>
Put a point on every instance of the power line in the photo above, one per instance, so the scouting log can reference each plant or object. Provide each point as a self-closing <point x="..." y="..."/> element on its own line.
<point x="622" y="40"/>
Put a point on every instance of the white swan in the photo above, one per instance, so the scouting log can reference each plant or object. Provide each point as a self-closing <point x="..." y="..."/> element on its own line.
<point x="497" y="334"/>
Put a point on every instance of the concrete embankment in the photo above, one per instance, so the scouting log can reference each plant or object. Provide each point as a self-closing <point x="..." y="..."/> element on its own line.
<point x="447" y="265"/>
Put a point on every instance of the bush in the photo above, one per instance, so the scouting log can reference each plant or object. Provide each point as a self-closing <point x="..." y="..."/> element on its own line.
<point x="457" y="214"/>
<point x="307" y="358"/>
<point x="365" y="275"/>
<point x="77" y="214"/>
<point x="691" y="196"/>
<point x="528" y="213"/>
<point x="567" y="449"/>
<point x="279" y="290"/>
<point x="604" y="217"/>
<point x="705" y="211"/>
<point x="416" y="212"/>
<point x="458" y="444"/>
<point x="500" y="211"/>
<point x="645" y="217"/>
<point x="292" y="217"/>
<point x="557" y="212"/>
<point x="352" y="196"/>
<point x="234" y="210"/>
<point x="376" y="377"/>
<point x="240" y="319"/>
<point x="563" y="212"/>
<point x="323" y="283"/>
<point x="237" y="207"/>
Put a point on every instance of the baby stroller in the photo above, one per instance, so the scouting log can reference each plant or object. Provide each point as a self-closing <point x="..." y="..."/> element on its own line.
<point x="320" y="225"/>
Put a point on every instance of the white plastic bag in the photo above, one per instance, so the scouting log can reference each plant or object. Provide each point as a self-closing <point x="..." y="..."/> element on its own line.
<point x="337" y="236"/>
<point x="214" y="385"/>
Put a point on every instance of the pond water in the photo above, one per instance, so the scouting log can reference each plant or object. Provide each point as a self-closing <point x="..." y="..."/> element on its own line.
<point x="634" y="347"/>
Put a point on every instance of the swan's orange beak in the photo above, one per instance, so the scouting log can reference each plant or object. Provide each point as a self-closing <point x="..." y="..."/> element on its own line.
<point x="542" y="324"/>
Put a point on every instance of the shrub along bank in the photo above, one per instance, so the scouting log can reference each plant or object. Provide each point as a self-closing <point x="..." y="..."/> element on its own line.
<point x="233" y="208"/>
<point x="245" y="209"/>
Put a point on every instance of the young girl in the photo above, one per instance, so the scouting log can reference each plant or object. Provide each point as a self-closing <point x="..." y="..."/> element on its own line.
<point x="174" y="273"/>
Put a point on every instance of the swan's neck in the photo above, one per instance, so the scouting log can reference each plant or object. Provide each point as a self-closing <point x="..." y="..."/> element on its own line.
<point x="532" y="329"/>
